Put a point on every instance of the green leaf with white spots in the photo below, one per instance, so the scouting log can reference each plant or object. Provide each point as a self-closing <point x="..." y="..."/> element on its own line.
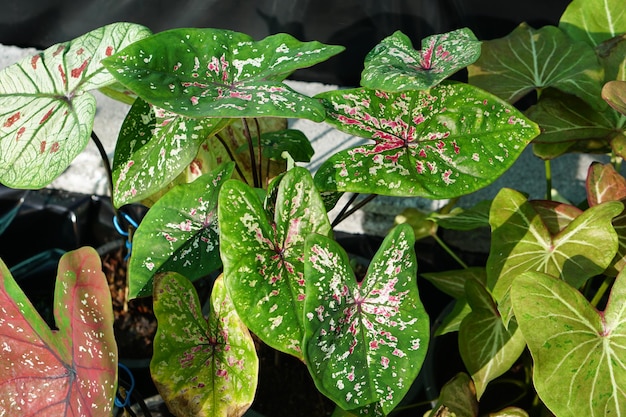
<point x="263" y="254"/>
<point x="71" y="371"/>
<point x="153" y="148"/>
<point x="441" y="143"/>
<point x="46" y="112"/>
<point x="578" y="351"/>
<point x="220" y="73"/>
<point x="365" y="342"/>
<point x="179" y="233"/>
<point x="201" y="366"/>
<point x="393" y="64"/>
<point x="487" y="347"/>
<point x="534" y="59"/>
<point x="521" y="241"/>
<point x="593" y="21"/>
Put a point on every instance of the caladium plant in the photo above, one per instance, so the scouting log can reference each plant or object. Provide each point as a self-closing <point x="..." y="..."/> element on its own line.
<point x="70" y="371"/>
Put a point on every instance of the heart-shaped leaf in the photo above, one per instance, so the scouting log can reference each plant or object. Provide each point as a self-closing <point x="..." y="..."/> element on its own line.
<point x="464" y="219"/>
<point x="604" y="183"/>
<point x="393" y="64"/>
<point x="487" y="347"/>
<point x="263" y="254"/>
<point x="201" y="367"/>
<point x="593" y="21"/>
<point x="457" y="398"/>
<point x="570" y="122"/>
<point x="521" y="241"/>
<point x="577" y="351"/>
<point x="529" y="59"/>
<point x="220" y="73"/>
<point x="614" y="93"/>
<point x="71" y="371"/>
<point x="441" y="143"/>
<point x="365" y="341"/>
<point x="46" y="114"/>
<point x="179" y="233"/>
<point x="153" y="147"/>
<point x="291" y="141"/>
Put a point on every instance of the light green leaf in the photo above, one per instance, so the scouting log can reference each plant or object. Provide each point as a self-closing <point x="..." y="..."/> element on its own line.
<point x="578" y="352"/>
<point x="46" y="112"/>
<point x="528" y="59"/>
<point x="593" y="21"/>
<point x="201" y="367"/>
<point x="393" y="65"/>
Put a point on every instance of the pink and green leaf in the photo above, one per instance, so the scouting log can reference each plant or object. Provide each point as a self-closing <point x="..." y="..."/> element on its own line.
<point x="46" y="112"/>
<point x="614" y="93"/>
<point x="393" y="64"/>
<point x="71" y="371"/>
<point x="441" y="143"/>
<point x="365" y="341"/>
<point x="153" y="148"/>
<point x="578" y="351"/>
<point x="534" y="59"/>
<point x="262" y="250"/>
<point x="179" y="234"/>
<point x="201" y="366"/>
<point x="220" y="73"/>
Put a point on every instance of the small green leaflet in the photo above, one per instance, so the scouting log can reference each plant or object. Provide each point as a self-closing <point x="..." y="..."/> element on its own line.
<point x="442" y="143"/>
<point x="179" y="233"/>
<point x="393" y="65"/>
<point x="202" y="367"/>
<point x="364" y="341"/>
<point x="71" y="371"/>
<point x="46" y="114"/>
<point x="262" y="248"/>
<point x="578" y="351"/>
<point x="220" y="73"/>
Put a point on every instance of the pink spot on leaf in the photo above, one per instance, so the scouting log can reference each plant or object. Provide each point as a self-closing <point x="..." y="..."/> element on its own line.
<point x="76" y="72"/>
<point x="33" y="61"/>
<point x="46" y="116"/>
<point x="12" y="119"/>
<point x="108" y="51"/>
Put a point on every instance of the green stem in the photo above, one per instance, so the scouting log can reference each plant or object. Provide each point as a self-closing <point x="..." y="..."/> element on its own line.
<point x="548" y="179"/>
<point x="345" y="214"/>
<point x="259" y="147"/>
<point x="601" y="291"/>
<point x="253" y="164"/>
<point x="449" y="251"/>
<point x="232" y="157"/>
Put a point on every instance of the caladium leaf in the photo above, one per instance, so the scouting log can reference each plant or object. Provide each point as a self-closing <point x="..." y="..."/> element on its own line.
<point x="365" y="341"/>
<point x="529" y="59"/>
<point x="71" y="371"/>
<point x="453" y="282"/>
<point x="614" y="93"/>
<point x="570" y="124"/>
<point x="604" y="183"/>
<point x="291" y="141"/>
<point x="153" y="147"/>
<point x="577" y="350"/>
<point x="593" y="21"/>
<point x="488" y="348"/>
<point x="393" y="64"/>
<point x="220" y="73"/>
<point x="464" y="219"/>
<point x="46" y="114"/>
<point x="441" y="143"/>
<point x="555" y="215"/>
<point x="263" y="255"/>
<point x="179" y="233"/>
<point x="201" y="367"/>
<point x="521" y="241"/>
<point x="457" y="398"/>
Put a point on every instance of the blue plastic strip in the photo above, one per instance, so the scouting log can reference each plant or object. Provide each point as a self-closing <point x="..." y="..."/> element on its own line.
<point x="129" y="391"/>
<point x="123" y="232"/>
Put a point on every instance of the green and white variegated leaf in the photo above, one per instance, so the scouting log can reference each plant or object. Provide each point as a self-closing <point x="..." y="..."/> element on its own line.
<point x="393" y="64"/>
<point x="202" y="367"/>
<point x="578" y="351"/>
<point x="154" y="146"/>
<point x="179" y="233"/>
<point x="593" y="21"/>
<point x="263" y="255"/>
<point x="528" y="59"/>
<point x="46" y="114"/>
<point x="365" y="341"/>
<point x="487" y="347"/>
<point x="220" y="73"/>
<point x="521" y="242"/>
<point x="441" y="143"/>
